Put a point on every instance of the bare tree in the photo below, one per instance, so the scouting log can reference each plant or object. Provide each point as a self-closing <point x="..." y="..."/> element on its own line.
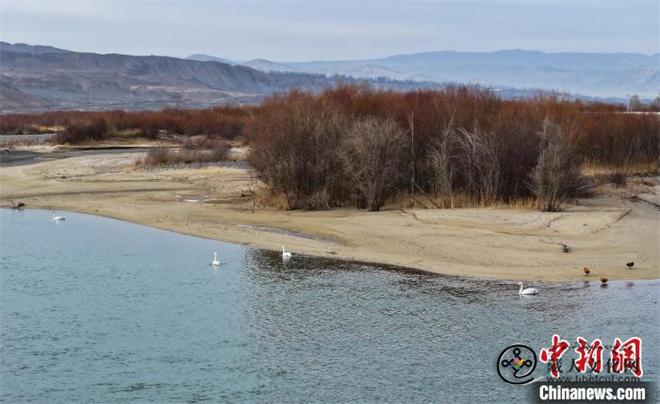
<point x="373" y="155"/>
<point x="440" y="161"/>
<point x="557" y="172"/>
<point x="634" y="103"/>
<point x="655" y="105"/>
<point x="479" y="164"/>
<point x="411" y="124"/>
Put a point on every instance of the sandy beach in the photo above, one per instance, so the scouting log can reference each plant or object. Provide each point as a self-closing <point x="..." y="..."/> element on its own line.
<point x="603" y="233"/>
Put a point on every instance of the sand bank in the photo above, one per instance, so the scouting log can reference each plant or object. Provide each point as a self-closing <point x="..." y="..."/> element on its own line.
<point x="216" y="202"/>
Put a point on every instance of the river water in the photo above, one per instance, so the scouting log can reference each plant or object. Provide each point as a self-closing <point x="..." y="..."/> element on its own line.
<point x="98" y="310"/>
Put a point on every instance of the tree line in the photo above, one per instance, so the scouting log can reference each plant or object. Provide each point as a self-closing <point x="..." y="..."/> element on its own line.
<point x="79" y="126"/>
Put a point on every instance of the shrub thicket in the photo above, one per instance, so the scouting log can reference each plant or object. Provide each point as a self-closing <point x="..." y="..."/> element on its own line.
<point x="226" y="122"/>
<point x="556" y="176"/>
<point x="90" y="129"/>
<point x="323" y="150"/>
<point x="374" y="156"/>
<point x="295" y="146"/>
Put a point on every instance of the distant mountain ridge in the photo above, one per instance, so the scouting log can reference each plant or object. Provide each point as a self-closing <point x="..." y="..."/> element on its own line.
<point x="594" y="74"/>
<point x="40" y="77"/>
<point x="207" y="58"/>
<point x="31" y="49"/>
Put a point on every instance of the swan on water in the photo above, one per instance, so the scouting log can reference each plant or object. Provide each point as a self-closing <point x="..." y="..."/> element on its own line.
<point x="285" y="254"/>
<point x="527" y="291"/>
<point x="215" y="262"/>
<point x="56" y="218"/>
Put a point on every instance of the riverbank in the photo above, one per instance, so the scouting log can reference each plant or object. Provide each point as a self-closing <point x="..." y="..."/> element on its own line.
<point x="603" y="233"/>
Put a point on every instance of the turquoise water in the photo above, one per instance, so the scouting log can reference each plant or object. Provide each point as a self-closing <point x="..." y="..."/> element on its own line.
<point x="98" y="310"/>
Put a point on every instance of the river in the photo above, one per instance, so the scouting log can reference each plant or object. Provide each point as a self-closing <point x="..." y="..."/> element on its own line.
<point x="98" y="310"/>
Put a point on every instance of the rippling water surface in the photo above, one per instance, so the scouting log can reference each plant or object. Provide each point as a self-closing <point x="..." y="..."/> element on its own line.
<point x="98" y="310"/>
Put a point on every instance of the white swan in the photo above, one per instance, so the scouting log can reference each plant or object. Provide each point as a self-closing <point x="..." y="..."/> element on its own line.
<point x="55" y="218"/>
<point x="215" y="262"/>
<point x="528" y="291"/>
<point x="285" y="254"/>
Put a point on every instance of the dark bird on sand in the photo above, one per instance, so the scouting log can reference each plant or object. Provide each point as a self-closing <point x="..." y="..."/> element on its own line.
<point x="565" y="248"/>
<point x="586" y="271"/>
<point x="603" y="280"/>
<point x="630" y="264"/>
<point x="17" y="205"/>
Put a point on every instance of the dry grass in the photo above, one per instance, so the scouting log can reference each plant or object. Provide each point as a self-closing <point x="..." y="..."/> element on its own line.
<point x="404" y="200"/>
<point x="595" y="169"/>
<point x="266" y="198"/>
<point x="127" y="133"/>
<point x="630" y="178"/>
<point x="206" y="152"/>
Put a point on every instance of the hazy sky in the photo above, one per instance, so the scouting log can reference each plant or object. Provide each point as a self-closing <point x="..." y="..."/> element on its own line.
<point x="337" y="29"/>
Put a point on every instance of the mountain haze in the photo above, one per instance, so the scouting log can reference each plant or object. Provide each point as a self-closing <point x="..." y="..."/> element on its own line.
<point x="593" y="74"/>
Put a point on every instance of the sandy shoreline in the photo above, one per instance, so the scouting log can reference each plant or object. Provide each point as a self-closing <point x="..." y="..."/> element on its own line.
<point x="215" y="202"/>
